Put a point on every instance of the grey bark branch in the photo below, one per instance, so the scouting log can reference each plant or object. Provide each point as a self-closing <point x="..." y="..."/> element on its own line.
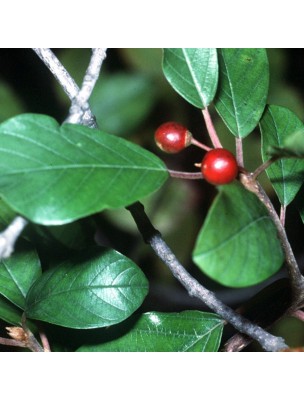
<point x="62" y="76"/>
<point x="10" y="235"/>
<point x="79" y="109"/>
<point x="194" y="288"/>
<point x="59" y="72"/>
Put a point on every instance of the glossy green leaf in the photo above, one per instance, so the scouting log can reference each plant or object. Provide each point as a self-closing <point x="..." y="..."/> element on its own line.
<point x="6" y="214"/>
<point x="238" y="244"/>
<point x="9" y="313"/>
<point x="121" y="102"/>
<point x="53" y="175"/>
<point x="243" y="88"/>
<point x="96" y="289"/>
<point x="188" y="331"/>
<point x="18" y="272"/>
<point x="193" y="73"/>
<point x="278" y="125"/>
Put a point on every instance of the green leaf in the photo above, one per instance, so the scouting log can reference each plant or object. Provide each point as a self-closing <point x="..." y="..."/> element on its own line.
<point x="18" y="272"/>
<point x="121" y="102"/>
<point x="286" y="175"/>
<point x="238" y="245"/>
<point x="243" y="88"/>
<point x="187" y="331"/>
<point x="96" y="289"/>
<point x="9" y="313"/>
<point x="6" y="214"/>
<point x="53" y="175"/>
<point x="193" y="73"/>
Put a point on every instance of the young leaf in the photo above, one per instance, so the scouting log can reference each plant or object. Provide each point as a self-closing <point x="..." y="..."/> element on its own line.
<point x="187" y="331"/>
<point x="238" y="245"/>
<point x="53" y="175"/>
<point x="18" y="273"/>
<point x="243" y="88"/>
<point x="96" y="289"/>
<point x="193" y="73"/>
<point x="287" y="174"/>
<point x="9" y="313"/>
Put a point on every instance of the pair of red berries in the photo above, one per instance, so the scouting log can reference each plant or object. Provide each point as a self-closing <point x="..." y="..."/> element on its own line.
<point x="218" y="166"/>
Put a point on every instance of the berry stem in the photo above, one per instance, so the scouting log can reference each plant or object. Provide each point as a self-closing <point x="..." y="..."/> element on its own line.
<point x="185" y="175"/>
<point x="199" y="144"/>
<point x="211" y="130"/>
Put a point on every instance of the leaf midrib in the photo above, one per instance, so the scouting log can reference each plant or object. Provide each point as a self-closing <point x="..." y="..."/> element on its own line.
<point x="81" y="166"/>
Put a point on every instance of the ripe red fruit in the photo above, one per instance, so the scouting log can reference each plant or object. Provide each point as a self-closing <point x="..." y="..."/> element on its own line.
<point x="219" y="167"/>
<point x="172" y="137"/>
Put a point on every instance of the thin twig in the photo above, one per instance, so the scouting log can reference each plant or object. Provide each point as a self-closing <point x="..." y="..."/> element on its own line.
<point x="239" y="152"/>
<point x="10" y="235"/>
<point x="21" y="337"/>
<point x="210" y="128"/>
<point x="264" y="166"/>
<point x="297" y="280"/>
<point x="11" y="342"/>
<point x="283" y="214"/>
<point x="80" y="105"/>
<point x="194" y="288"/>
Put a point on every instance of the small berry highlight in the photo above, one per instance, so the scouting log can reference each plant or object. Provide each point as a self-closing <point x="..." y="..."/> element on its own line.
<point x="172" y="137"/>
<point x="219" y="167"/>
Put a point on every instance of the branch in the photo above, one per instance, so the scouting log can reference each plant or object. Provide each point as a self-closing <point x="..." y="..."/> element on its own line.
<point x="61" y="74"/>
<point x="10" y="235"/>
<point x="80" y="106"/>
<point x="264" y="166"/>
<point x="194" y="288"/>
<point x="297" y="280"/>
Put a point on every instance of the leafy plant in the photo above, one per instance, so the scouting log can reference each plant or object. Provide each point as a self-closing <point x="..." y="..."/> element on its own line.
<point x="77" y="267"/>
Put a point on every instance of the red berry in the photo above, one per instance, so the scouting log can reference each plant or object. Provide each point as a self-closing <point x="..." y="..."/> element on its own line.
<point x="172" y="137"/>
<point x="219" y="167"/>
